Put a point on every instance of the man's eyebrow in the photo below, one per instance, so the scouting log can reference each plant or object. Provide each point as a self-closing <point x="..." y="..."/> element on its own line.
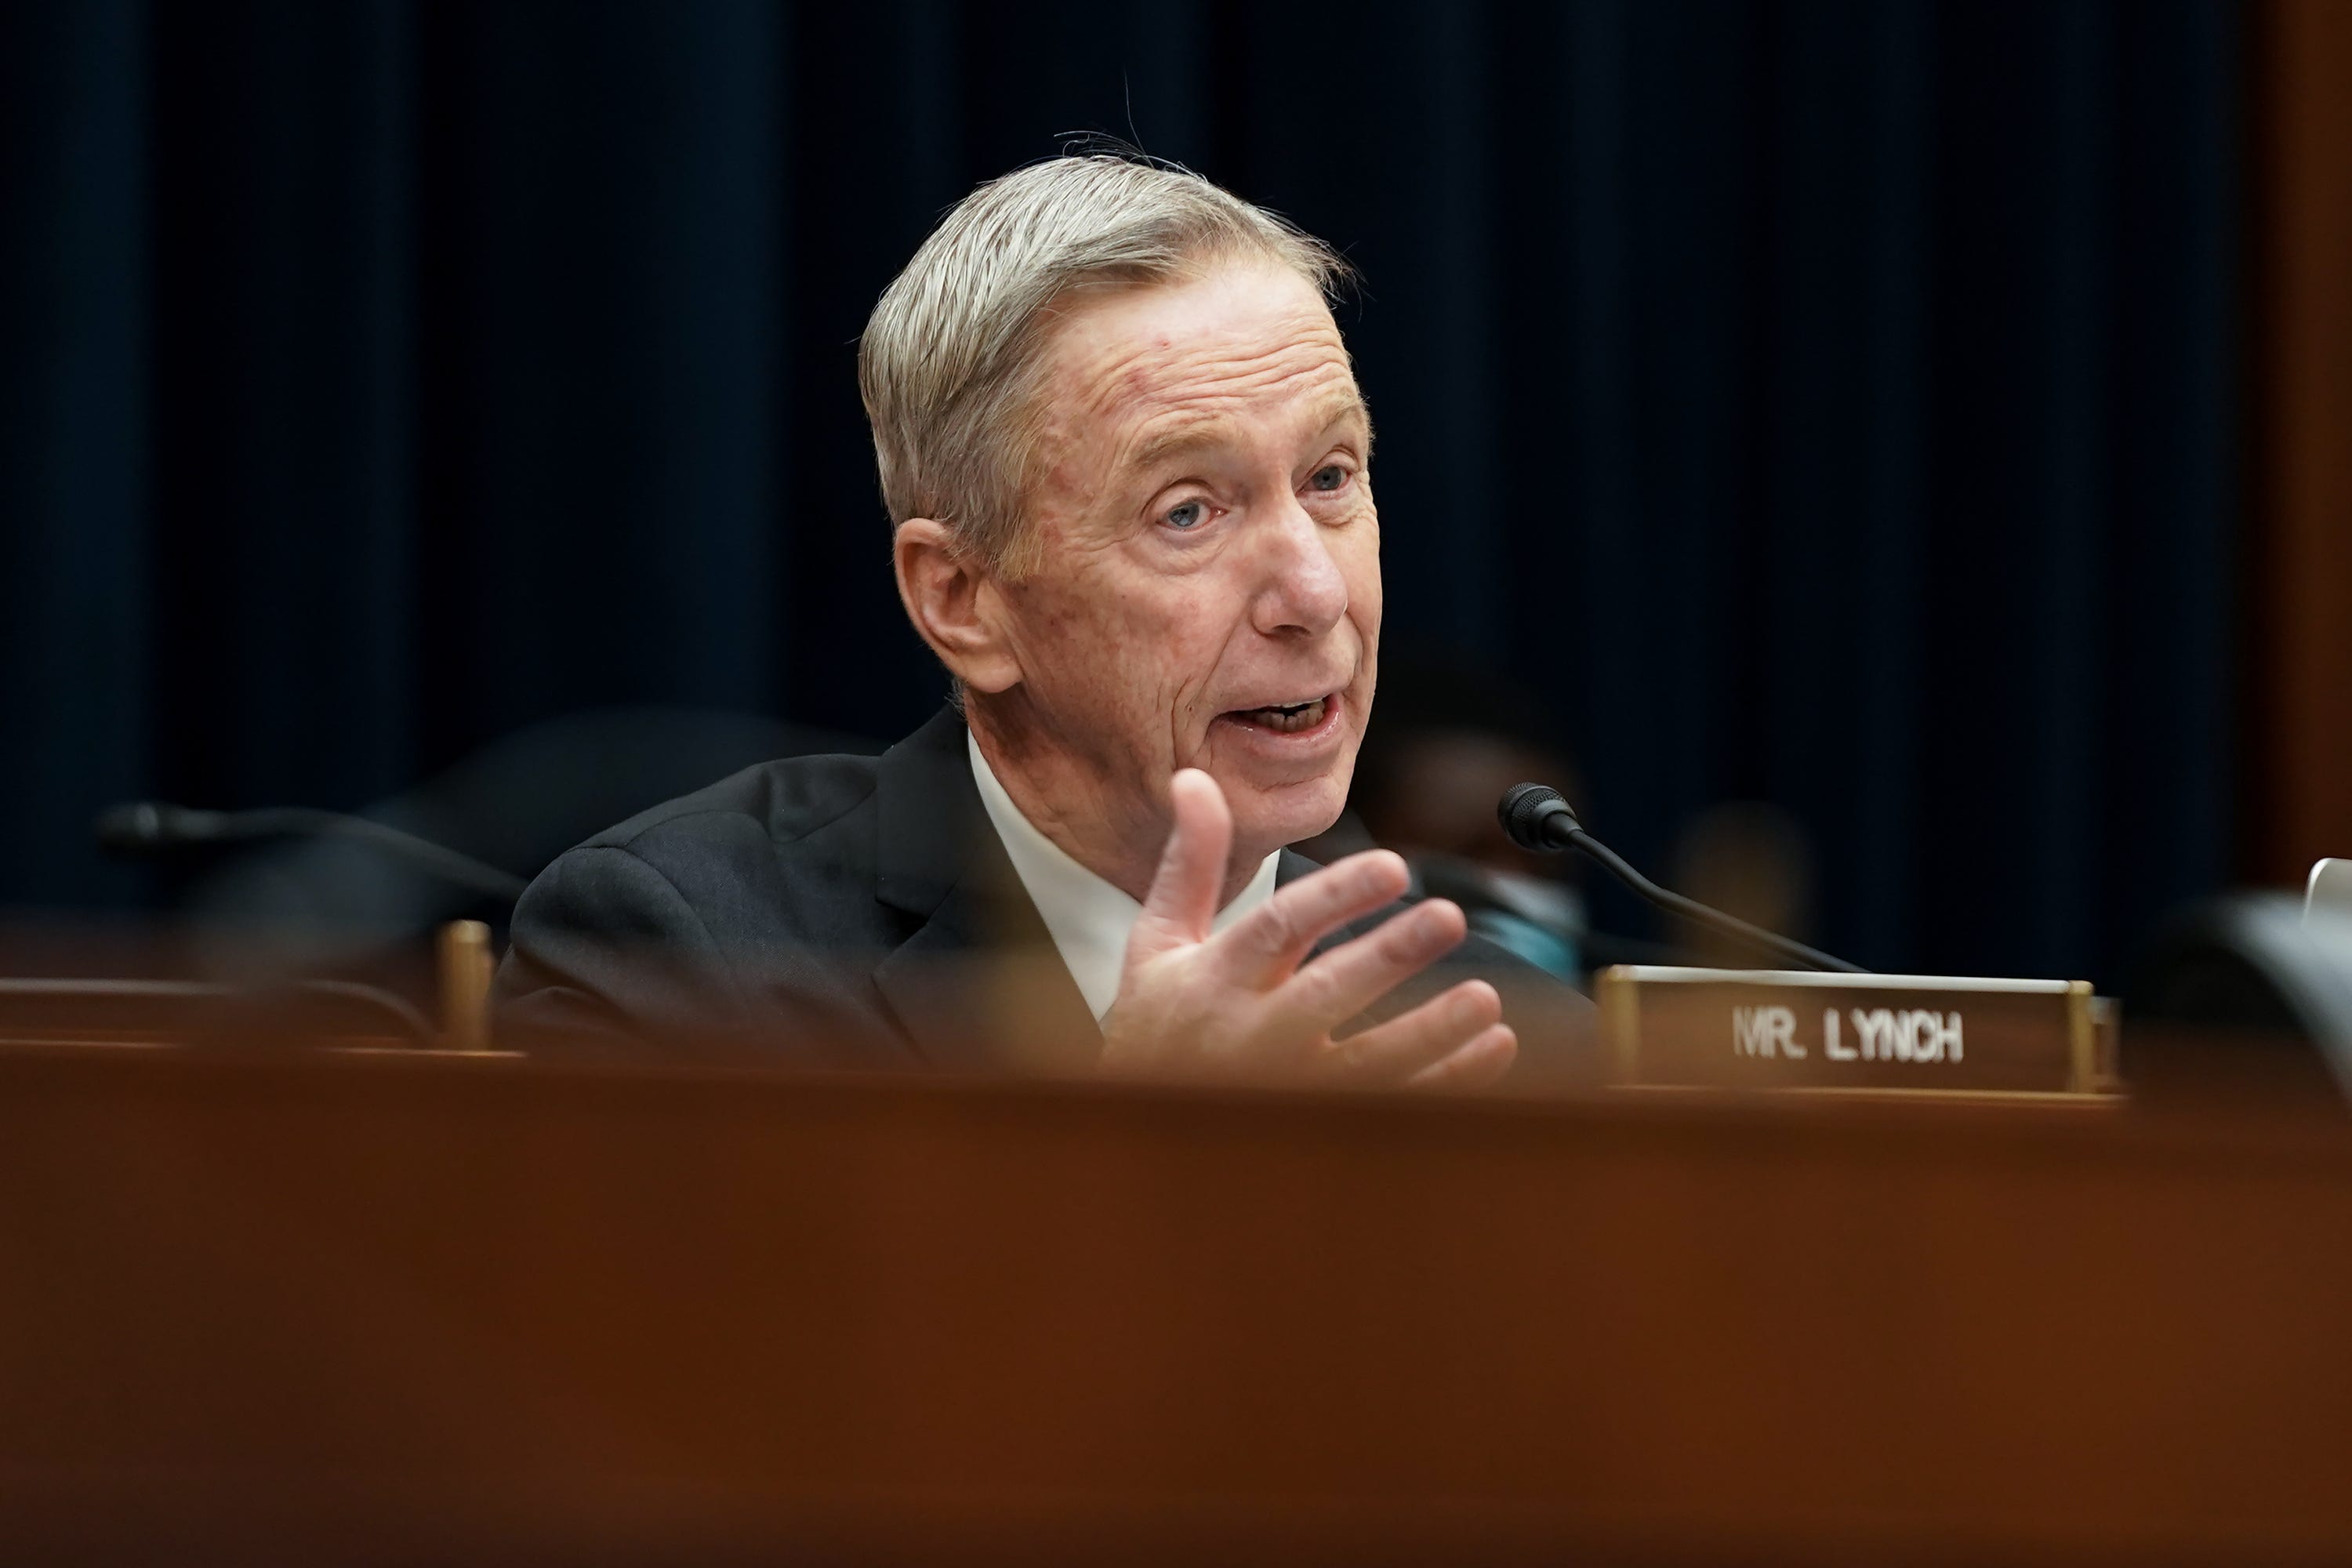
<point x="1341" y="406"/>
<point x="1190" y="435"/>
<point x="1196" y="432"/>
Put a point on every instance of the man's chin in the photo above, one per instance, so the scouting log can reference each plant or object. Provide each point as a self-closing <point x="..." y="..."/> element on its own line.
<point x="1266" y="820"/>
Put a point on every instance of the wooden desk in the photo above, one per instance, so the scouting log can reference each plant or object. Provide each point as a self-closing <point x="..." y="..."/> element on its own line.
<point x="375" y="1309"/>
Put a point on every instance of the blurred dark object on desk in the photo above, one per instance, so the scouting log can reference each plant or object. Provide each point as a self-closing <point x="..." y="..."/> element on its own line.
<point x="2249" y="973"/>
<point x="302" y="1012"/>
<point x="194" y="1015"/>
<point x="323" y="905"/>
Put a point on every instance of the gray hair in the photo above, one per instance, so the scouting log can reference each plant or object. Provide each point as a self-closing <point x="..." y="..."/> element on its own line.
<point x="953" y="354"/>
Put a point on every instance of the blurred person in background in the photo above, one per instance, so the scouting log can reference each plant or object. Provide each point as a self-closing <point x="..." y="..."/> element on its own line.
<point x="1448" y="741"/>
<point x="1751" y="860"/>
<point x="1127" y="469"/>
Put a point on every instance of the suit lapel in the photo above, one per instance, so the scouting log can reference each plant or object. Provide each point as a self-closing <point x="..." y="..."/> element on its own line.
<point x="977" y="986"/>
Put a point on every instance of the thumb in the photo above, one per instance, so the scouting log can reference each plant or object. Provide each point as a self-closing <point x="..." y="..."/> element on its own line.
<point x="1183" y="902"/>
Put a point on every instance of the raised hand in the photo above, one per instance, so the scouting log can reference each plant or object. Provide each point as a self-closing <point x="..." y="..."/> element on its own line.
<point x="1243" y="1003"/>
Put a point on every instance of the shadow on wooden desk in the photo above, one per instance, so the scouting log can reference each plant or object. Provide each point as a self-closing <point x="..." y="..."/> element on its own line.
<point x="387" y="1309"/>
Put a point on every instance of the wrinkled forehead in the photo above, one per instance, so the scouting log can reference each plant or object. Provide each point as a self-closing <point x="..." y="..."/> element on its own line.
<point x="1243" y="340"/>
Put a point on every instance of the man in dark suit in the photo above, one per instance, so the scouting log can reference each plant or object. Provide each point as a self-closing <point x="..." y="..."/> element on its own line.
<point x="1129" y="470"/>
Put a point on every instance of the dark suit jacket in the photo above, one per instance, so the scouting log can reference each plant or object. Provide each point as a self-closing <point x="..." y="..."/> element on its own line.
<point x="857" y="913"/>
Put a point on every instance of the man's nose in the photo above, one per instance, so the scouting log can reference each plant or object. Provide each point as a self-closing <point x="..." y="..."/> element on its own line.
<point x="1303" y="594"/>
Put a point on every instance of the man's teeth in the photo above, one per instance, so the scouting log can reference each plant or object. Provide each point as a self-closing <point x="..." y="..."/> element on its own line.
<point x="1287" y="721"/>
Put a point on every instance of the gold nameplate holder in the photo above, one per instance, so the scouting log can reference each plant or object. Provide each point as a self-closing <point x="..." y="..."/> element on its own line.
<point x="1870" y="1034"/>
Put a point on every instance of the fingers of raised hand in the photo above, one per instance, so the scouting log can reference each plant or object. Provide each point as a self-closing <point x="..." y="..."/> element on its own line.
<point x="1350" y="978"/>
<point x="1465" y="1018"/>
<point x="1474" y="1066"/>
<point x="1268" y="944"/>
<point x="1182" y="898"/>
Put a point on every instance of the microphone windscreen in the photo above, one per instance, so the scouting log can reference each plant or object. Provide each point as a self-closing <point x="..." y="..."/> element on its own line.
<point x="1524" y="811"/>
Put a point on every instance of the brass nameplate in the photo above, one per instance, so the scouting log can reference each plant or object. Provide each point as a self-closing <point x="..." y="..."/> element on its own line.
<point x="1875" y="1034"/>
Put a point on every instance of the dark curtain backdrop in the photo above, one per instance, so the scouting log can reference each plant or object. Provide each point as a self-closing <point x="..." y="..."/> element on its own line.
<point x="1825" y="404"/>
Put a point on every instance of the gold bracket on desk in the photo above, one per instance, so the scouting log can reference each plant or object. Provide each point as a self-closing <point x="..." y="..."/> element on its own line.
<point x="465" y="967"/>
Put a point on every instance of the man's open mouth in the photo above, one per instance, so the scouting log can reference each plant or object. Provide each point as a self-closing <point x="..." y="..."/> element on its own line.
<point x="1285" y="721"/>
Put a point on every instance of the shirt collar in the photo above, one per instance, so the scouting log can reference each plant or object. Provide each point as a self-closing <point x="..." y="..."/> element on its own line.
<point x="1088" y="918"/>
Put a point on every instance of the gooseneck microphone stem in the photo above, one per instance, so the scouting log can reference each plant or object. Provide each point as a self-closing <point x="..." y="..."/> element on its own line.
<point x="1700" y="914"/>
<point x="1538" y="818"/>
<point x="146" y="827"/>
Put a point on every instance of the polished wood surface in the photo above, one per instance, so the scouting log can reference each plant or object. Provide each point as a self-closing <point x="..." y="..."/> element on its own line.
<point x="327" y="1308"/>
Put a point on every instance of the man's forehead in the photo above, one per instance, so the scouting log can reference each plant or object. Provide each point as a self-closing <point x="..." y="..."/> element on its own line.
<point x="1228" y="334"/>
<point x="1182" y="425"/>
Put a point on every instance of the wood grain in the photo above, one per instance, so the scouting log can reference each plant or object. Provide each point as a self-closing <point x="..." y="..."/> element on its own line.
<point x="473" y="1308"/>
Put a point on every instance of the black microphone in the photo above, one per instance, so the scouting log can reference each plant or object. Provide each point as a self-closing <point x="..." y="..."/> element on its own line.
<point x="1538" y="818"/>
<point x="149" y="826"/>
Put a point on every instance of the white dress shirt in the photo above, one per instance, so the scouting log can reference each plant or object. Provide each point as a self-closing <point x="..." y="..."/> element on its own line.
<point x="1088" y="918"/>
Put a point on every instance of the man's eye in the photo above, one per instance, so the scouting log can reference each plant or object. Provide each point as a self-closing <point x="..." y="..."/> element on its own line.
<point x="1189" y="515"/>
<point x="1329" y="476"/>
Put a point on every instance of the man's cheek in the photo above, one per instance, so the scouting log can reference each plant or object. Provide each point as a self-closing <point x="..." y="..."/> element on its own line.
<point x="1078" y="640"/>
<point x="1361" y="569"/>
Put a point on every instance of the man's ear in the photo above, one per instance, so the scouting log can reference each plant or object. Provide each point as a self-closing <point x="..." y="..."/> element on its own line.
<point x="955" y="604"/>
